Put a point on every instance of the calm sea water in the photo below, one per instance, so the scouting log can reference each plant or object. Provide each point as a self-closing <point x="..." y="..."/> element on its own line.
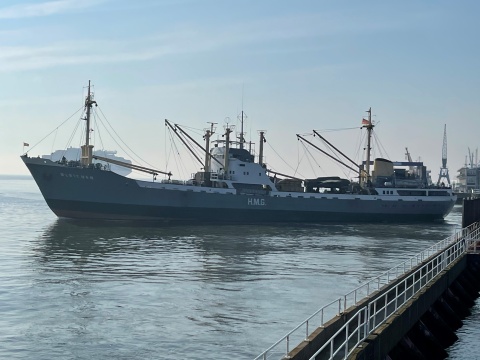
<point x="76" y="290"/>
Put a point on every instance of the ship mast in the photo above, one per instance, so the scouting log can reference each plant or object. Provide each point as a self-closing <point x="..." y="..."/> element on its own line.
<point x="368" y="124"/>
<point x="227" y="149"/>
<point x="208" y="134"/>
<point x="87" y="106"/>
<point x="262" y="140"/>
<point x="242" y="139"/>
<point x="86" y="159"/>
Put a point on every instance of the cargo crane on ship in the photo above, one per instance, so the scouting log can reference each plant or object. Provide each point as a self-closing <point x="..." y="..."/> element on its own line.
<point x="408" y="157"/>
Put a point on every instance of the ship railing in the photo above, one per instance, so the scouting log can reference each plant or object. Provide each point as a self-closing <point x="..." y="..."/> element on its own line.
<point x="370" y="317"/>
<point x="439" y="256"/>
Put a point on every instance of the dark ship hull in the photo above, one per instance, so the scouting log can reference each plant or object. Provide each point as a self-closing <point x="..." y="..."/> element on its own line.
<point x="92" y="193"/>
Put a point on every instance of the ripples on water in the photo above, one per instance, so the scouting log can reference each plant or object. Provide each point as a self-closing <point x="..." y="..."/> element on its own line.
<point x="108" y="290"/>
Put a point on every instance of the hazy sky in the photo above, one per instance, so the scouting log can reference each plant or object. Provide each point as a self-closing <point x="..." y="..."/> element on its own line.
<point x="293" y="66"/>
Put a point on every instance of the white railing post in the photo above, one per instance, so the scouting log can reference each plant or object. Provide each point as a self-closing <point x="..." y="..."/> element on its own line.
<point x="346" y="338"/>
<point x="396" y="297"/>
<point x="367" y="330"/>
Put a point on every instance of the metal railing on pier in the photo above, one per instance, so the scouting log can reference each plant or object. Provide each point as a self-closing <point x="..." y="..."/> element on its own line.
<point x="377" y="311"/>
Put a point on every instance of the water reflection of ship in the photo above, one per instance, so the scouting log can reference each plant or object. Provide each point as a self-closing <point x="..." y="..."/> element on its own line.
<point x="74" y="154"/>
<point x="97" y="237"/>
<point x="209" y="255"/>
<point x="225" y="254"/>
<point x="65" y="234"/>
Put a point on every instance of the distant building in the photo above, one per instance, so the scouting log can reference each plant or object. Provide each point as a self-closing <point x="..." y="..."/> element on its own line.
<point x="468" y="179"/>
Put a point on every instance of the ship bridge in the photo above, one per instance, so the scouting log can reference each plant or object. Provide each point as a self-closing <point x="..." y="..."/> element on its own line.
<point x="240" y="170"/>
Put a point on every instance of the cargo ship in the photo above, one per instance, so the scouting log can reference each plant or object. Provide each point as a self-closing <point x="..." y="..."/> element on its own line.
<point x="235" y="186"/>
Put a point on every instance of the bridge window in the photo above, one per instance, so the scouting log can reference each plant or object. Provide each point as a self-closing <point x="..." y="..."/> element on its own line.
<point x="438" y="193"/>
<point x="412" y="192"/>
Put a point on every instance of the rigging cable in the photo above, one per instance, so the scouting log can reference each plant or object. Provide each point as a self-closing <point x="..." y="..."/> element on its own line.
<point x="358" y="146"/>
<point x="380" y="146"/>
<point x="98" y="130"/>
<point x="335" y="154"/>
<point x="180" y="166"/>
<point x="173" y="149"/>
<point x="301" y="138"/>
<point x="308" y="159"/>
<point x="298" y="158"/>
<point x="314" y="158"/>
<point x="165" y="149"/>
<point x="192" y="129"/>
<point x="282" y="158"/>
<point x="54" y="139"/>
<point x="50" y="133"/>
<point x="331" y="130"/>
<point x="139" y="158"/>
<point x="72" y="136"/>
<point x="191" y="153"/>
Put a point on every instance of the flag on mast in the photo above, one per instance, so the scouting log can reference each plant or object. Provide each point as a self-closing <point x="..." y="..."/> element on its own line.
<point x="26" y="144"/>
<point x="365" y="122"/>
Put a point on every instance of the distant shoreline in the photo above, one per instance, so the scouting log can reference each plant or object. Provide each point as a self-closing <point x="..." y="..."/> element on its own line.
<point x="15" y="177"/>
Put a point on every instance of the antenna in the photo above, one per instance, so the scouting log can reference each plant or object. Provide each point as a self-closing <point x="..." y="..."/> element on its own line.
<point x="241" y="137"/>
<point x="226" y="121"/>
<point x="241" y="117"/>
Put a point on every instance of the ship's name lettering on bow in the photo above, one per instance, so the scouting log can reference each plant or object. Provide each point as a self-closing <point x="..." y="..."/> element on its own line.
<point x="85" y="177"/>
<point x="256" y="202"/>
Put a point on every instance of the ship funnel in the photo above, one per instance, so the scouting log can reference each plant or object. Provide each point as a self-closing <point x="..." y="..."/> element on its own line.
<point x="383" y="167"/>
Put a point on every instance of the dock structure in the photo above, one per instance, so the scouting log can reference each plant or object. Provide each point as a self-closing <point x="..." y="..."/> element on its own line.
<point x="410" y="311"/>
<point x="471" y="211"/>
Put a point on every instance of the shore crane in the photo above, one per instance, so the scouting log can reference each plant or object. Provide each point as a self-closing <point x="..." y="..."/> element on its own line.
<point x="444" y="170"/>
